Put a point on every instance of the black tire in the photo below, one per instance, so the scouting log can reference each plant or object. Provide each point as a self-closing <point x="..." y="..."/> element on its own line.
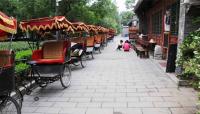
<point x="99" y="49"/>
<point x="92" y="55"/>
<point x="18" y="97"/>
<point x="83" y="59"/>
<point x="65" y="77"/>
<point x="9" y="106"/>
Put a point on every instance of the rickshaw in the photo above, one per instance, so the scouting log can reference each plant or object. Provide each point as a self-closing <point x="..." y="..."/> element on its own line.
<point x="90" y="42"/>
<point x="9" y="103"/>
<point x="111" y="34"/>
<point x="78" y="54"/>
<point x="100" y="39"/>
<point x="50" y="61"/>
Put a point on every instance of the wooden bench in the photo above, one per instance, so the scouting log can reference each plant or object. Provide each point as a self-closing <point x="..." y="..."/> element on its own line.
<point x="143" y="53"/>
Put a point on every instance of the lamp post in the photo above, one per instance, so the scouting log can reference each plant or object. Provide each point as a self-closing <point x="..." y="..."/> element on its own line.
<point x="56" y="13"/>
<point x="57" y="5"/>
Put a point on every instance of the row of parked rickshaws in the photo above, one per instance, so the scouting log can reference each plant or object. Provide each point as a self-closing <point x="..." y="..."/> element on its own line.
<point x="64" y="44"/>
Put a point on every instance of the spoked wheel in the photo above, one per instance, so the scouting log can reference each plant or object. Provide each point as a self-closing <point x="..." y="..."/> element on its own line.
<point x="92" y="54"/>
<point x="65" y="77"/>
<point x="18" y="97"/>
<point x="99" y="49"/>
<point x="9" y="105"/>
<point x="83" y="59"/>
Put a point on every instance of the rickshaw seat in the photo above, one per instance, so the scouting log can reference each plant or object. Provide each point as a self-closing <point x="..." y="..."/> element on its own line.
<point x="52" y="52"/>
<point x="6" y="58"/>
<point x="90" y="42"/>
<point x="98" y="39"/>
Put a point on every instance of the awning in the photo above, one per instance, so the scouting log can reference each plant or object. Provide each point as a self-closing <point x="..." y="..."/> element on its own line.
<point x="46" y="23"/>
<point x="80" y="26"/>
<point x="92" y="28"/>
<point x="7" y="25"/>
<point x="102" y="29"/>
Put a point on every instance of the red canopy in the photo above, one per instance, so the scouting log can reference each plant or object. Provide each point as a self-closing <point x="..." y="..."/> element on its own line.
<point x="102" y="29"/>
<point x="80" y="26"/>
<point x="7" y="25"/>
<point x="57" y="22"/>
<point x="92" y="28"/>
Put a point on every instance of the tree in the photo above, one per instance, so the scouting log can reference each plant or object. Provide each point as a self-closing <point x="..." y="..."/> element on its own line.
<point x="130" y="4"/>
<point x="126" y="17"/>
<point x="98" y="12"/>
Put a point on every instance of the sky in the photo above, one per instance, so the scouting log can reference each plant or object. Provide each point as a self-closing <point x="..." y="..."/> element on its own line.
<point x="121" y="5"/>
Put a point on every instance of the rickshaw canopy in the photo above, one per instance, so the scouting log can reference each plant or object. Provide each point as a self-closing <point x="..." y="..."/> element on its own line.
<point x="102" y="29"/>
<point x="46" y="23"/>
<point x="80" y="26"/>
<point x="92" y="28"/>
<point x="7" y="25"/>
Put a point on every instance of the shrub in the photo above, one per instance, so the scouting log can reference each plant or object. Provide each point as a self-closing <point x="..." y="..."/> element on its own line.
<point x="20" y="68"/>
<point x="15" y="46"/>
<point x="26" y="54"/>
<point x="189" y="57"/>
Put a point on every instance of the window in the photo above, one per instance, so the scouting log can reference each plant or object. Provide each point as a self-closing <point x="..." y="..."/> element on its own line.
<point x="157" y="23"/>
<point x="174" y="18"/>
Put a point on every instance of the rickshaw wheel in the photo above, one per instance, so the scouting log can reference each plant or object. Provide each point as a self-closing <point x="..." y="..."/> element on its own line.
<point x="92" y="55"/>
<point x="83" y="59"/>
<point x="18" y="97"/>
<point x="9" y="105"/>
<point x="65" y="77"/>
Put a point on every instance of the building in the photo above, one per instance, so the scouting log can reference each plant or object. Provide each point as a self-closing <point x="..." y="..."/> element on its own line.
<point x="125" y="31"/>
<point x="167" y="22"/>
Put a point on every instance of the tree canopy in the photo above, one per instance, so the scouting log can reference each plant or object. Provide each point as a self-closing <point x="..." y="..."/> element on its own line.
<point x="130" y="4"/>
<point x="126" y="17"/>
<point x="98" y="12"/>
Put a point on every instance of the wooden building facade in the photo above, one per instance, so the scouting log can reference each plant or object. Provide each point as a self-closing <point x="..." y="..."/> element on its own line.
<point x="152" y="21"/>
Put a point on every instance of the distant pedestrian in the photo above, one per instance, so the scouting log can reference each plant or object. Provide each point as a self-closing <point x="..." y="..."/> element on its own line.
<point x="120" y="45"/>
<point x="126" y="46"/>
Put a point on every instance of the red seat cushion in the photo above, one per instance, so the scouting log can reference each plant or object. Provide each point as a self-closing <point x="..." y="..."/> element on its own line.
<point x="49" y="61"/>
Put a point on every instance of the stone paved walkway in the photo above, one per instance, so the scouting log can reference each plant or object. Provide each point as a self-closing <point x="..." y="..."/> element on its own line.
<point x="115" y="82"/>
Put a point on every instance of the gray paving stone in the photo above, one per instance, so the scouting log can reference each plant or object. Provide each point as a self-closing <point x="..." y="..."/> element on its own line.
<point x="183" y="110"/>
<point x="141" y="104"/>
<point x="48" y="110"/>
<point x="167" y="104"/>
<point x="156" y="111"/>
<point x="73" y="111"/>
<point x="100" y="111"/>
<point x="114" y="105"/>
<point x="114" y="83"/>
<point x="127" y="111"/>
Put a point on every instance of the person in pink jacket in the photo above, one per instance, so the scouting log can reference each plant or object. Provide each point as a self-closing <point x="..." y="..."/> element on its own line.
<point x="126" y="46"/>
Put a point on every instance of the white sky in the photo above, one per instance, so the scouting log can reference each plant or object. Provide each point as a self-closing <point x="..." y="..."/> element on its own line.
<point x="121" y="5"/>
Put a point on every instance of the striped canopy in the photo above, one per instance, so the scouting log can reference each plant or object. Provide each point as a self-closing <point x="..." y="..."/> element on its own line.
<point x="92" y="28"/>
<point x="46" y="23"/>
<point x="80" y="26"/>
<point x="102" y="29"/>
<point x="7" y="25"/>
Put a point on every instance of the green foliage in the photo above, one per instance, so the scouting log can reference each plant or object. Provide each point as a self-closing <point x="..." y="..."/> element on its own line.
<point x="21" y="67"/>
<point x="126" y="17"/>
<point x="130" y="4"/>
<point x="189" y="57"/>
<point x="26" y="54"/>
<point x="15" y="46"/>
<point x="196" y="20"/>
<point x="100" y="12"/>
